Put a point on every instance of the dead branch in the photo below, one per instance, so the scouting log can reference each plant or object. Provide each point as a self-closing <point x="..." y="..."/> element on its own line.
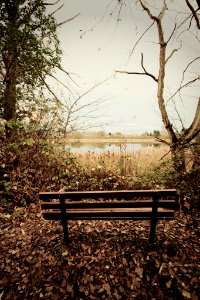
<point x="185" y="85"/>
<point x="68" y="74"/>
<point x="52" y="3"/>
<point x="140" y="73"/>
<point x="136" y="73"/>
<point x="147" y="73"/>
<point x="55" y="11"/>
<point x="194" y="13"/>
<point x="161" y="15"/>
<point x="50" y="90"/>
<point x="186" y="68"/>
<point x="165" y="154"/>
<point x="89" y="90"/>
<point x="61" y="83"/>
<point x="148" y="11"/>
<point x="66" y="21"/>
<point x="162" y="141"/>
<point x="171" y="35"/>
<point x="172" y="53"/>
<point x="146" y="30"/>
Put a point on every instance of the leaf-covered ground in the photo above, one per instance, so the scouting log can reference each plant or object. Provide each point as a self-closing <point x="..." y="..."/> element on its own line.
<point x="106" y="259"/>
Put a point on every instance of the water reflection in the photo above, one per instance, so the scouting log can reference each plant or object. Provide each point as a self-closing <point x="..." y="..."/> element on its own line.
<point x="78" y="147"/>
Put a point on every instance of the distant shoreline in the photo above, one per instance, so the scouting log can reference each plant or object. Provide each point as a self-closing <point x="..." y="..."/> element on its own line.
<point x="113" y="140"/>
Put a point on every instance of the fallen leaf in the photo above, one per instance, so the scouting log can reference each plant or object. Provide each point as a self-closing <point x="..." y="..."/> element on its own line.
<point x="186" y="294"/>
<point x="121" y="289"/>
<point x="139" y="271"/>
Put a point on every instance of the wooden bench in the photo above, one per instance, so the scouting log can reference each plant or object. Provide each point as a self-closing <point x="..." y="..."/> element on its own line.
<point x="150" y="205"/>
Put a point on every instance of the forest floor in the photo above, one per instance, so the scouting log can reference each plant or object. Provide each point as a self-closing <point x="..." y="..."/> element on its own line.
<point x="106" y="259"/>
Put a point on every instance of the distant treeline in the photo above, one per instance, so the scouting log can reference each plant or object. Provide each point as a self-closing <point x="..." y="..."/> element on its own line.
<point x="116" y="135"/>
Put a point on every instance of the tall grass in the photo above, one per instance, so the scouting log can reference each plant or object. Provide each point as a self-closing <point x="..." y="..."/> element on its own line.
<point x="127" y="163"/>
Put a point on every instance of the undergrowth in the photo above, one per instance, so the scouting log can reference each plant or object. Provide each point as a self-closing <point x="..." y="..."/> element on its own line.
<point x="29" y="168"/>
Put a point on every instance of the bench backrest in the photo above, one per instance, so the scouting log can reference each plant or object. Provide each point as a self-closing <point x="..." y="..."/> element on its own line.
<point x="159" y="198"/>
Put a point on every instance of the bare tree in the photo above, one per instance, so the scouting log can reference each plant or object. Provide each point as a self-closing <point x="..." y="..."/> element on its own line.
<point x="178" y="140"/>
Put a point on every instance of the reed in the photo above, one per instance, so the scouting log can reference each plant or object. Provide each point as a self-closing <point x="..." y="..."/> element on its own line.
<point x="125" y="163"/>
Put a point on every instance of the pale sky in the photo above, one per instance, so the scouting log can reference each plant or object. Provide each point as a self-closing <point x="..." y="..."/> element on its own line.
<point x="95" y="45"/>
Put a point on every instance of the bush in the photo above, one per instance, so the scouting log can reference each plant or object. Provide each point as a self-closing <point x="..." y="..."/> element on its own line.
<point x="30" y="167"/>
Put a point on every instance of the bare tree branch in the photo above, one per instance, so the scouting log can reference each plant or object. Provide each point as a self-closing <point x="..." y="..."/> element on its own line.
<point x="61" y="83"/>
<point x="171" y="35"/>
<point x="184" y="85"/>
<point x="55" y="11"/>
<point x="52" y="3"/>
<point x="140" y="73"/>
<point x="147" y="73"/>
<point x="60" y="24"/>
<point x="194" y="13"/>
<point x="91" y="89"/>
<point x="50" y="90"/>
<point x="68" y="74"/>
<point x="161" y="15"/>
<point x="186" y="68"/>
<point x="136" y="73"/>
<point x="162" y="141"/>
<point x="148" y="11"/>
<point x="172" y="53"/>
<point x="140" y="39"/>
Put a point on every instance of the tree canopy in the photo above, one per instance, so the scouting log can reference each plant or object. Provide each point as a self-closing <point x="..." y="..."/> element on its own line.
<point x="29" y="51"/>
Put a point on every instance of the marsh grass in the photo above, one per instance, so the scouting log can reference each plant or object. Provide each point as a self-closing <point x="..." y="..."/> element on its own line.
<point x="126" y="163"/>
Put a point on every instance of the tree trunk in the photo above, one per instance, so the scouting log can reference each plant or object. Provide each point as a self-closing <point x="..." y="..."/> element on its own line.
<point x="10" y="63"/>
<point x="196" y="153"/>
<point x="9" y="100"/>
<point x="178" y="158"/>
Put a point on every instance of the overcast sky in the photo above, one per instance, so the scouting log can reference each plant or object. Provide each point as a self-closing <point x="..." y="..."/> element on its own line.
<point x="95" y="45"/>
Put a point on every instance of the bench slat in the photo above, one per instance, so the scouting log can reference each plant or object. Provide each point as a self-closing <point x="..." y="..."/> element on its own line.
<point x="109" y="204"/>
<point x="51" y="218"/>
<point x="88" y="215"/>
<point x="122" y="194"/>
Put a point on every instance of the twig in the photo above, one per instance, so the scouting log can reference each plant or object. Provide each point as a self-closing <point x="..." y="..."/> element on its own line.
<point x="140" y="73"/>
<point x="60" y="24"/>
<point x="140" y="39"/>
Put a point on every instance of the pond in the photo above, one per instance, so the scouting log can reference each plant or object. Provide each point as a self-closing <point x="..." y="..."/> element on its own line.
<point x="105" y="147"/>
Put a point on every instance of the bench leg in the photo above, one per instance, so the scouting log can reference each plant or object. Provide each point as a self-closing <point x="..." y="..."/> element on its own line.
<point x="152" y="234"/>
<point x="66" y="232"/>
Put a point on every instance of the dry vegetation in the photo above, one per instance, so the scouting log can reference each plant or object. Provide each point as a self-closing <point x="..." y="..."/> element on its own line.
<point x="106" y="260"/>
<point x="126" y="163"/>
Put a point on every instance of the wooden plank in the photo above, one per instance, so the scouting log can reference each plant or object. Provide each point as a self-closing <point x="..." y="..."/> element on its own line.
<point x="120" y="209"/>
<point x="96" y="218"/>
<point x="121" y="194"/>
<point x="109" y="204"/>
<point x="87" y="215"/>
